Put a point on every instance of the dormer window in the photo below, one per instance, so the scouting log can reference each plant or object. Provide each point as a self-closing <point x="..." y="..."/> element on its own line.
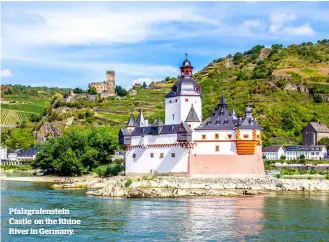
<point x="197" y="88"/>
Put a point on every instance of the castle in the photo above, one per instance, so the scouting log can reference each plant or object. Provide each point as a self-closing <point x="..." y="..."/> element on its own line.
<point x="106" y="88"/>
<point x="222" y="144"/>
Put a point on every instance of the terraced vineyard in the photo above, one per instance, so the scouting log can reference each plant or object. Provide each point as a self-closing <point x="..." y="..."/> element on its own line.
<point x="9" y="118"/>
<point x="19" y="109"/>
<point x="151" y="101"/>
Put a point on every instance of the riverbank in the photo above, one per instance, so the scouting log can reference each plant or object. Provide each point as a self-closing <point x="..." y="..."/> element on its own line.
<point x="172" y="186"/>
<point x="52" y="179"/>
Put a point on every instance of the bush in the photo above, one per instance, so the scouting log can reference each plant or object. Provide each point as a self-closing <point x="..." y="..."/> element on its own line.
<point x="278" y="176"/>
<point x="107" y="170"/>
<point x="309" y="178"/>
<point x="327" y="176"/>
<point x="313" y="172"/>
<point x="118" y="161"/>
<point x="128" y="182"/>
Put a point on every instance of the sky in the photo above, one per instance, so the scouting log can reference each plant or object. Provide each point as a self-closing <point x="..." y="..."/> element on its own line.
<point x="70" y="44"/>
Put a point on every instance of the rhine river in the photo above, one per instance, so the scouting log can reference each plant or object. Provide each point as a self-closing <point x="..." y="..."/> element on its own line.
<point x="272" y="217"/>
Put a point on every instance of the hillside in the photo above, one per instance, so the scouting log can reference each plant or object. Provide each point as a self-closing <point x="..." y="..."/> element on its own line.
<point x="286" y="86"/>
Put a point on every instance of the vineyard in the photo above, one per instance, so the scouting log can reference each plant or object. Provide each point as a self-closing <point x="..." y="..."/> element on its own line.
<point x="19" y="109"/>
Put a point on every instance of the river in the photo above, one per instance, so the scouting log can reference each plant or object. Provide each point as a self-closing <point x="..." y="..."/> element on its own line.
<point x="294" y="216"/>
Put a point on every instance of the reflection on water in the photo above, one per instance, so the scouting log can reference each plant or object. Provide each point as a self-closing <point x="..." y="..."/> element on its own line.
<point x="283" y="217"/>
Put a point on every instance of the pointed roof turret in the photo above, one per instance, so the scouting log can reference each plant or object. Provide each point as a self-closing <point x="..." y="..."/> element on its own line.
<point x="140" y="122"/>
<point x="192" y="116"/>
<point x="157" y="123"/>
<point x="131" y="121"/>
<point x="222" y="103"/>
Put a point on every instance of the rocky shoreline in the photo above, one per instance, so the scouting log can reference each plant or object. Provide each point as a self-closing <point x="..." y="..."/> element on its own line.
<point x="169" y="186"/>
<point x="173" y="186"/>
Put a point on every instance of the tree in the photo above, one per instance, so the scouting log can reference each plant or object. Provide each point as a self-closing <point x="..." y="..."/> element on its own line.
<point x="264" y="157"/>
<point x="167" y="79"/>
<point x="77" y="90"/>
<point x="121" y="91"/>
<point x="92" y="90"/>
<point x="283" y="157"/>
<point x="144" y="85"/>
<point x="302" y="157"/>
<point x="324" y="141"/>
<point x="8" y="92"/>
<point x="76" y="152"/>
<point x="237" y="56"/>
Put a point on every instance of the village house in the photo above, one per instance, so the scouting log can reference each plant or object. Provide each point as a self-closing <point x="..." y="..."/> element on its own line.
<point x="294" y="152"/>
<point x="3" y="153"/>
<point x="317" y="152"/>
<point x="313" y="152"/>
<point x="26" y="155"/>
<point x="186" y="144"/>
<point x="273" y="152"/>
<point x="132" y="92"/>
<point x="17" y="156"/>
<point x="314" y="132"/>
<point x="119" y="154"/>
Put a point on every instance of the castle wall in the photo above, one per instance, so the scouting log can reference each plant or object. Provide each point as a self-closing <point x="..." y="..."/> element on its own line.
<point x="202" y="164"/>
<point x="143" y="163"/>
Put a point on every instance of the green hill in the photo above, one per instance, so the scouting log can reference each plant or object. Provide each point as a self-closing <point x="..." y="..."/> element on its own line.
<point x="286" y="86"/>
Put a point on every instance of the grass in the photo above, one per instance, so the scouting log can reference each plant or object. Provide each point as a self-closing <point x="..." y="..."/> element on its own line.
<point x="31" y="108"/>
<point x="128" y="182"/>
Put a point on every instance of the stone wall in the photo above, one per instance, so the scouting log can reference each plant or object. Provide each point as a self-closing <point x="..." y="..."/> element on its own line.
<point x="227" y="164"/>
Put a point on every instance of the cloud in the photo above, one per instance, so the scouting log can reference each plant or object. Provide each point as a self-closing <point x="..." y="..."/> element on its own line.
<point x="279" y="19"/>
<point x="304" y="30"/>
<point x="281" y="24"/>
<point x="147" y="80"/>
<point x="6" y="73"/>
<point x="88" y="26"/>
<point x="253" y="23"/>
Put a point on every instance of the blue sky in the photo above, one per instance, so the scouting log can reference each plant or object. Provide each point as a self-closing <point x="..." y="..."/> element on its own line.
<point x="69" y="44"/>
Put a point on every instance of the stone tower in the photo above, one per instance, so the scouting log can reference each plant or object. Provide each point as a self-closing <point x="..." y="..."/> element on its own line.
<point x="110" y="82"/>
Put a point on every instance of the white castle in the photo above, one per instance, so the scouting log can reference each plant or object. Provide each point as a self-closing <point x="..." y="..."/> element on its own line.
<point x="186" y="145"/>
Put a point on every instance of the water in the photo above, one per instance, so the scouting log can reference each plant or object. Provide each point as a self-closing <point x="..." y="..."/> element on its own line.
<point x="275" y="217"/>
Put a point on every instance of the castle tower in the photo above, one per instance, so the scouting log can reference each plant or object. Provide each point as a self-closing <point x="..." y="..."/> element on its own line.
<point x="110" y="82"/>
<point x="184" y="93"/>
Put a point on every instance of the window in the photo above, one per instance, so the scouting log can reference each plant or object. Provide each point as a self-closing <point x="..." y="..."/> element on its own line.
<point x="203" y="136"/>
<point x="216" y="136"/>
<point x="258" y="136"/>
<point x="172" y="155"/>
<point x="173" y="117"/>
<point x="186" y="99"/>
<point x="217" y="148"/>
<point x="246" y="136"/>
<point x="176" y="100"/>
<point x="229" y="136"/>
<point x="152" y="155"/>
<point x="161" y="155"/>
<point x="134" y="155"/>
<point x="169" y="101"/>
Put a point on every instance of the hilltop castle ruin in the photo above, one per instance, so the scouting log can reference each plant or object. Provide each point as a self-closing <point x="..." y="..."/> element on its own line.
<point x="107" y="87"/>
